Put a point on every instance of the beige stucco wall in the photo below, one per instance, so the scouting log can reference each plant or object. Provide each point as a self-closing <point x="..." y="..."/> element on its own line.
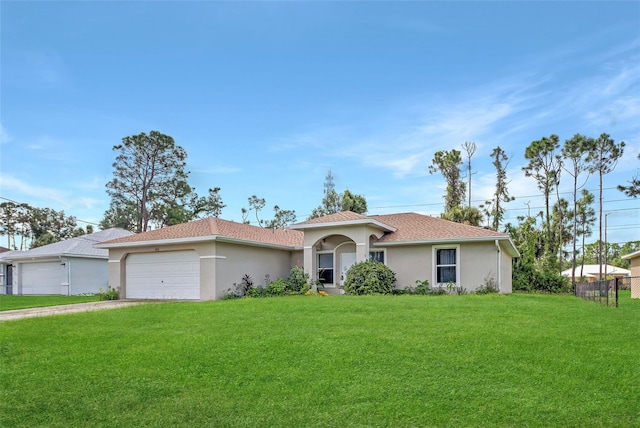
<point x="635" y="272"/>
<point x="477" y="261"/>
<point x="221" y="264"/>
<point x="237" y="260"/>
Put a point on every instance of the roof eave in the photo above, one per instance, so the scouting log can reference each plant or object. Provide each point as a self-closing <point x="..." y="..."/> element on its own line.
<point x="152" y="242"/>
<point x="358" y="222"/>
<point x="513" y="250"/>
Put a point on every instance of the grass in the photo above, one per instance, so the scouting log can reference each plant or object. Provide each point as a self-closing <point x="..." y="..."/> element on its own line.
<point x="519" y="360"/>
<point x="10" y="302"/>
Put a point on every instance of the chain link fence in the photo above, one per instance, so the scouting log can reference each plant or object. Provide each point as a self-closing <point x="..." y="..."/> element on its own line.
<point x="603" y="292"/>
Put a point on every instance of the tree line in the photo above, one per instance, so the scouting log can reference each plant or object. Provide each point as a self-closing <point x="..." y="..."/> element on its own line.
<point x="542" y="237"/>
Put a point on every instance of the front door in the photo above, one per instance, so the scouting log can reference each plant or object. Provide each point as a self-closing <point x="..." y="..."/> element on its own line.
<point x="346" y="261"/>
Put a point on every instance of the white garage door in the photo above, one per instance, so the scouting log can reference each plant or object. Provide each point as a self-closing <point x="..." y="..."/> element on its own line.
<point x="163" y="275"/>
<point x="41" y="278"/>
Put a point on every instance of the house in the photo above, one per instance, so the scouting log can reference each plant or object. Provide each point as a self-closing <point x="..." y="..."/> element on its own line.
<point x="592" y="272"/>
<point x="203" y="259"/>
<point x="68" y="267"/>
<point x="634" y="258"/>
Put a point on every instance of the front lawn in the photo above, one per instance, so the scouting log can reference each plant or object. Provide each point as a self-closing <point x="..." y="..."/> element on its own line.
<point x="401" y="361"/>
<point x="11" y="302"/>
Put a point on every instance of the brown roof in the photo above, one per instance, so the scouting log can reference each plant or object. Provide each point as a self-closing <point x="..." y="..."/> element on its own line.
<point x="337" y="217"/>
<point x="410" y="227"/>
<point x="215" y="227"/>
<point x="419" y="227"/>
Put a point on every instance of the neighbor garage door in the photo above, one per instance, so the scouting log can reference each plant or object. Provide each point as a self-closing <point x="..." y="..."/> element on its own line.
<point x="163" y="275"/>
<point x="41" y="278"/>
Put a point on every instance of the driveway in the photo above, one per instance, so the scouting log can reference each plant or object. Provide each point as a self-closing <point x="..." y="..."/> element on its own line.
<point x="64" y="309"/>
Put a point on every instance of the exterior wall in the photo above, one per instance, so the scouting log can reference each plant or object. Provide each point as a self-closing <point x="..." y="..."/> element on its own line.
<point x="359" y="234"/>
<point x="87" y="276"/>
<point x="506" y="278"/>
<point x="208" y="259"/>
<point x="477" y="262"/>
<point x="221" y="264"/>
<point x="635" y="272"/>
<point x="237" y="260"/>
<point x="410" y="263"/>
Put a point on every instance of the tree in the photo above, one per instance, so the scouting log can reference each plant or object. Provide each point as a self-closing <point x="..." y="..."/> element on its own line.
<point x="334" y="202"/>
<point x="281" y="218"/>
<point x="633" y="191"/>
<point x="149" y="172"/>
<point x="122" y="214"/>
<point x="575" y="152"/>
<point x="48" y="226"/>
<point x="448" y="164"/>
<point x="353" y="202"/>
<point x="545" y="166"/>
<point x="585" y="219"/>
<point x="13" y="223"/>
<point x="470" y="148"/>
<point x="256" y="204"/>
<point x="214" y="205"/>
<point x="501" y="195"/>
<point x="465" y="215"/>
<point x="603" y="159"/>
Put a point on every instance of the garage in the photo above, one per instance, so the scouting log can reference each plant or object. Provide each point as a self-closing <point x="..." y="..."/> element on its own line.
<point x="163" y="275"/>
<point x="42" y="278"/>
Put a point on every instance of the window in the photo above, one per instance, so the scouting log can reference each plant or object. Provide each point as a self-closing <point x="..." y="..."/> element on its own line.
<point x="446" y="265"/>
<point x="376" y="256"/>
<point x="325" y="268"/>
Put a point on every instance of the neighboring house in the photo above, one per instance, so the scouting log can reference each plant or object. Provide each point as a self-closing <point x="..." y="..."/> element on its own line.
<point x="634" y="258"/>
<point x="202" y="260"/>
<point x="592" y="272"/>
<point x="68" y="267"/>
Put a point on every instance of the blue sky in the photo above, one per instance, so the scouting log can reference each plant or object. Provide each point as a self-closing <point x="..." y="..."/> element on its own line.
<point x="267" y="96"/>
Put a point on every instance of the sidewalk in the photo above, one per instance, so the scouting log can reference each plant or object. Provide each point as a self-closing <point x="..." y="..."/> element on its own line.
<point x="64" y="309"/>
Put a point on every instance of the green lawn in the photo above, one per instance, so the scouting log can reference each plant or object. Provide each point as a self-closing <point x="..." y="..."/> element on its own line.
<point x="398" y="361"/>
<point x="8" y="303"/>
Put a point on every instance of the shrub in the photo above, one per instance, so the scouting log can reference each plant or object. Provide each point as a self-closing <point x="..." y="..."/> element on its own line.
<point x="298" y="281"/>
<point x="109" y="294"/>
<point x="489" y="287"/>
<point x="277" y="287"/>
<point x="422" y="287"/>
<point x="369" y="277"/>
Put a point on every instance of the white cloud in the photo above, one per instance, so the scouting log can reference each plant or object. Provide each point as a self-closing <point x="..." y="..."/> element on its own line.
<point x="17" y="186"/>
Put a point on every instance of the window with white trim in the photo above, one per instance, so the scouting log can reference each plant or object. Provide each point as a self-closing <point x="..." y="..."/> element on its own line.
<point x="376" y="256"/>
<point x="446" y="266"/>
<point x="325" y="268"/>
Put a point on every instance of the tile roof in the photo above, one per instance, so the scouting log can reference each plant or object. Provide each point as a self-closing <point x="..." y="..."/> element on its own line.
<point x="413" y="227"/>
<point x="81" y="246"/>
<point x="216" y="227"/>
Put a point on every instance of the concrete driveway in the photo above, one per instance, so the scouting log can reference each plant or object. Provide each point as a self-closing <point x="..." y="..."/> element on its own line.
<point x="64" y="309"/>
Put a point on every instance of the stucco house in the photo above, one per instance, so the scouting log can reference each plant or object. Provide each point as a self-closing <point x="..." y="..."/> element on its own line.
<point x="69" y="267"/>
<point x="634" y="258"/>
<point x="202" y="260"/>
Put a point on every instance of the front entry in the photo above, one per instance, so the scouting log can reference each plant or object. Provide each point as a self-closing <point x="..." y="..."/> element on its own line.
<point x="346" y="261"/>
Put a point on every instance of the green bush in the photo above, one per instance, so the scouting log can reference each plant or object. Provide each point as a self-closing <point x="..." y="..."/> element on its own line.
<point x="528" y="277"/>
<point x="369" y="277"/>
<point x="109" y="294"/>
<point x="277" y="287"/>
<point x="298" y="281"/>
